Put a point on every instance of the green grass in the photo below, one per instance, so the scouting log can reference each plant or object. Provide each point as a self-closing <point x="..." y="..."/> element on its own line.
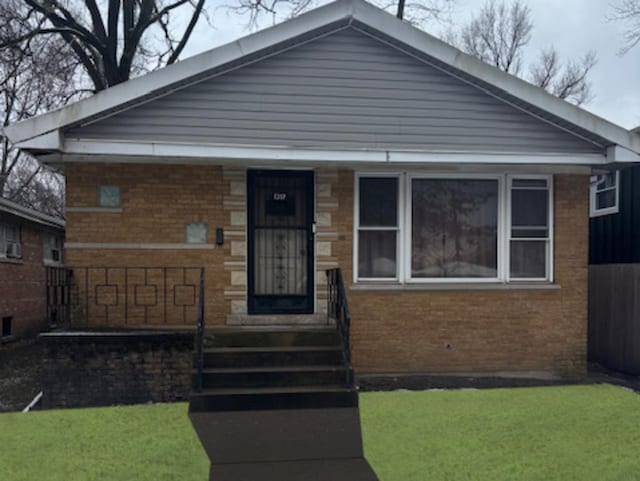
<point x="562" y="433"/>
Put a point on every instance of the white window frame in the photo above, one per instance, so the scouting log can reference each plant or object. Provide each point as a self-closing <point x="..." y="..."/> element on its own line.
<point x="4" y="226"/>
<point x="398" y="229"/>
<point x="549" y="239"/>
<point x="408" y="224"/>
<point x="403" y="247"/>
<point x="49" y="241"/>
<point x="593" y="196"/>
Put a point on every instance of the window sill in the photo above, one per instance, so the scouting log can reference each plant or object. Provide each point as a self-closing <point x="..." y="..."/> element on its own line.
<point x="105" y="210"/>
<point x="462" y="286"/>
<point x="7" y="260"/>
<point x="53" y="264"/>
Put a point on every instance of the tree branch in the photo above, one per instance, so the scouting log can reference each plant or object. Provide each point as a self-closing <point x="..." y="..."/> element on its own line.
<point x="187" y="33"/>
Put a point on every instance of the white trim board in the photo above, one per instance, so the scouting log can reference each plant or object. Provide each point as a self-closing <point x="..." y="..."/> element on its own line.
<point x="85" y="150"/>
<point x="337" y="15"/>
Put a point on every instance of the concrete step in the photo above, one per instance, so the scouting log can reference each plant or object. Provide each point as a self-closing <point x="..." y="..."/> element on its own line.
<point x="272" y="398"/>
<point x="223" y="357"/>
<point x="273" y="376"/>
<point x="271" y="337"/>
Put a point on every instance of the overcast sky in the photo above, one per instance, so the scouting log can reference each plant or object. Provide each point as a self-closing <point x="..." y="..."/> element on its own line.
<point x="572" y="26"/>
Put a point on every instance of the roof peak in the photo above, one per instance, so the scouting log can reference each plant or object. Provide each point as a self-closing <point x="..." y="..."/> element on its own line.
<point x="334" y="15"/>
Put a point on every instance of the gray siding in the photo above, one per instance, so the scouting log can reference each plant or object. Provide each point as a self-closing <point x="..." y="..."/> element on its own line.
<point x="346" y="90"/>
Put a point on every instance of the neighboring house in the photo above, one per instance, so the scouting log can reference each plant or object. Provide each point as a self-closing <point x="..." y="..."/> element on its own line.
<point x="453" y="196"/>
<point x="614" y="258"/>
<point x="30" y="241"/>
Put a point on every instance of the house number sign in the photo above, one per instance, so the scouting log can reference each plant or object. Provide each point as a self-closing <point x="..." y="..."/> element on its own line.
<point x="279" y="196"/>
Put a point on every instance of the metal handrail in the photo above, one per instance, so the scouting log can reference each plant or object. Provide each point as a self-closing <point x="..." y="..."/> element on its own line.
<point x="338" y="310"/>
<point x="109" y="296"/>
<point x="200" y="335"/>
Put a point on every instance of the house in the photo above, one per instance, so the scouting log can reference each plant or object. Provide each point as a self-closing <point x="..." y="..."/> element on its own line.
<point x="30" y="244"/>
<point x="453" y="197"/>
<point x="614" y="258"/>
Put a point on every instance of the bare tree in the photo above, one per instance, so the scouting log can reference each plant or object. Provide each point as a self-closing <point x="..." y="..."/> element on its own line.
<point x="568" y="82"/>
<point x="50" y="49"/>
<point x="499" y="35"/>
<point x="628" y="11"/>
<point x="416" y="12"/>
<point x="35" y="76"/>
<point x="113" y="39"/>
<point x="43" y="190"/>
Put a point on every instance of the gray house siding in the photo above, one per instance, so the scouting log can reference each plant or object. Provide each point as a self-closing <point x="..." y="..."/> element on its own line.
<point x="342" y="91"/>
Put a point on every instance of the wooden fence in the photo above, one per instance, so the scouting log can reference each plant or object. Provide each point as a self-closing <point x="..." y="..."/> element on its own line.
<point x="614" y="316"/>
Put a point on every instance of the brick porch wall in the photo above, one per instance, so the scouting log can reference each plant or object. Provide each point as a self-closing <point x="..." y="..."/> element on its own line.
<point x="157" y="201"/>
<point x="489" y="330"/>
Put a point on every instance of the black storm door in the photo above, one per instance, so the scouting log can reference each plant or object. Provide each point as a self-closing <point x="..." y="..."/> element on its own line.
<point x="280" y="241"/>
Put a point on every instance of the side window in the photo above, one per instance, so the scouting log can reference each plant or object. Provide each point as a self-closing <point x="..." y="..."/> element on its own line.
<point x="530" y="232"/>
<point x="52" y="248"/>
<point x="10" y="245"/>
<point x="605" y="192"/>
<point x="378" y="227"/>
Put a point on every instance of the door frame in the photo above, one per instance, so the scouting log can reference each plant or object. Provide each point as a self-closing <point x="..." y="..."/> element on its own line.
<point x="309" y="175"/>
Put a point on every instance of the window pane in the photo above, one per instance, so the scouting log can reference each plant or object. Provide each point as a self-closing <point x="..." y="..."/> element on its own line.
<point x="377" y="254"/>
<point x="196" y="233"/>
<point x="11" y="232"/>
<point x="454" y="228"/>
<point x="606" y="199"/>
<point x="378" y="202"/>
<point x="606" y="180"/>
<point x="109" y="196"/>
<point x="535" y="232"/>
<point x="531" y="183"/>
<point x="529" y="208"/>
<point x="529" y="259"/>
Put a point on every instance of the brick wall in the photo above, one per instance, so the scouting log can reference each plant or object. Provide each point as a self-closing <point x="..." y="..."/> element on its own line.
<point x="22" y="291"/>
<point x="540" y="330"/>
<point x="84" y="371"/>
<point x="489" y="330"/>
<point x="157" y="201"/>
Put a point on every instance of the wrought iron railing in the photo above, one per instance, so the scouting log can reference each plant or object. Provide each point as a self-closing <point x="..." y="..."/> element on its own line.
<point x="58" y="284"/>
<point x="200" y="333"/>
<point x="338" y="311"/>
<point x="105" y="297"/>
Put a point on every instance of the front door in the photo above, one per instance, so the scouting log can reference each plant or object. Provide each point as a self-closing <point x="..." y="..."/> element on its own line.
<point x="280" y="241"/>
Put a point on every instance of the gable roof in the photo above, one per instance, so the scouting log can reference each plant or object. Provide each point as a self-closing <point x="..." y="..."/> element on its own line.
<point x="30" y="215"/>
<point x="44" y="133"/>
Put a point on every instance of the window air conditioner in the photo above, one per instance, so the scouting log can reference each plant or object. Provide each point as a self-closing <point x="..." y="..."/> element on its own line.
<point x="14" y="250"/>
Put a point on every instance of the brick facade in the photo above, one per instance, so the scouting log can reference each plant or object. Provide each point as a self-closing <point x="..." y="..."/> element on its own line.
<point x="94" y="370"/>
<point x="22" y="281"/>
<point x="489" y="330"/>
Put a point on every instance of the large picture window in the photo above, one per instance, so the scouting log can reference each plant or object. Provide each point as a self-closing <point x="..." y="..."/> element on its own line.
<point x="452" y="228"/>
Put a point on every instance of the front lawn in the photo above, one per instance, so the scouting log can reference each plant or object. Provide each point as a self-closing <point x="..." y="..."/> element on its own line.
<point x="558" y="433"/>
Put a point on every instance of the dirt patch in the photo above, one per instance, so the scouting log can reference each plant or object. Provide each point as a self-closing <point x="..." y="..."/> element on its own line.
<point x="21" y="374"/>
